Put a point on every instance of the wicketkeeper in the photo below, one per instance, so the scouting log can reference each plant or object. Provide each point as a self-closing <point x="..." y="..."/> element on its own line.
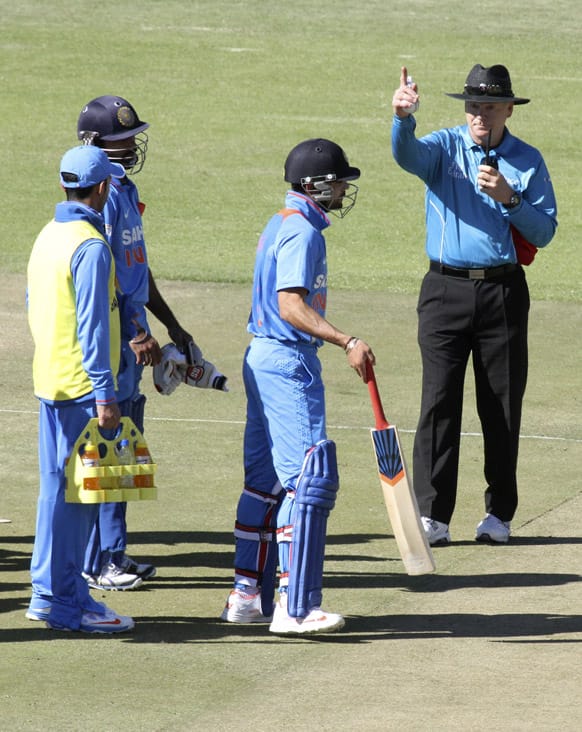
<point x="112" y="123"/>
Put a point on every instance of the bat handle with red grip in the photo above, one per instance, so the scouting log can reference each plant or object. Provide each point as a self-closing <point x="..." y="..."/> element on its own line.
<point x="379" y="416"/>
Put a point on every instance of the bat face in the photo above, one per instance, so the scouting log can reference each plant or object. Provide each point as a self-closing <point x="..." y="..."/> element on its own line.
<point x="398" y="494"/>
<point x="401" y="503"/>
<point x="388" y="455"/>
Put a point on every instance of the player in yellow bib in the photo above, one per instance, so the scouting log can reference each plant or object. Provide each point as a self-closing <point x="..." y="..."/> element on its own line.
<point x="74" y="319"/>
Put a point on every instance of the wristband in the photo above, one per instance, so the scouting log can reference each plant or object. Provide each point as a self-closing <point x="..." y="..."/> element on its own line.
<point x="143" y="339"/>
<point x="351" y="344"/>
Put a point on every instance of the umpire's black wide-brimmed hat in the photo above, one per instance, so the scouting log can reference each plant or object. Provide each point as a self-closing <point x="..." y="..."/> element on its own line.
<point x="491" y="84"/>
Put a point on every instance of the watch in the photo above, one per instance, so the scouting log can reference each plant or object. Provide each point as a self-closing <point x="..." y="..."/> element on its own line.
<point x="514" y="201"/>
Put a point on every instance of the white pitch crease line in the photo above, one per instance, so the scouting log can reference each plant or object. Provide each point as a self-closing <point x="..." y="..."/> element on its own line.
<point x="196" y="420"/>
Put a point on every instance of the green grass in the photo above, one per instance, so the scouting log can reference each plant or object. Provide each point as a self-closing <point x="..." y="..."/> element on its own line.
<point x="229" y="87"/>
<point x="491" y="639"/>
<point x="413" y="648"/>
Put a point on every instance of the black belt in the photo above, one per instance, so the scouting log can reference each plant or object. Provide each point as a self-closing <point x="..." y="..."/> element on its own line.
<point x="487" y="273"/>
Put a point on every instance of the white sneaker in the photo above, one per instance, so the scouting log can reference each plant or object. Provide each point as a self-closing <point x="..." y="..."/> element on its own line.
<point x="145" y="571"/>
<point x="493" y="530"/>
<point x="244" y="607"/>
<point x="38" y="612"/>
<point x="113" y="577"/>
<point x="317" y="621"/>
<point x="436" y="532"/>
<point x="107" y="622"/>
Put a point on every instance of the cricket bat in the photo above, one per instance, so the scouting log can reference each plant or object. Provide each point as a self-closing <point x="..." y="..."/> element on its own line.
<point x="398" y="494"/>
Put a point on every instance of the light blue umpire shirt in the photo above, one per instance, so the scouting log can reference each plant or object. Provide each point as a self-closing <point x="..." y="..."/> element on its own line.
<point x="464" y="226"/>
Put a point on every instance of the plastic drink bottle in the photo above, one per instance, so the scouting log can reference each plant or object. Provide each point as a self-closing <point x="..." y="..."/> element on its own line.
<point x="90" y="459"/>
<point x="124" y="457"/>
<point x="143" y="457"/>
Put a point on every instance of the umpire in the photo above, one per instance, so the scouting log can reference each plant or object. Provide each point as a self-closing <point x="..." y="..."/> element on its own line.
<point x="489" y="206"/>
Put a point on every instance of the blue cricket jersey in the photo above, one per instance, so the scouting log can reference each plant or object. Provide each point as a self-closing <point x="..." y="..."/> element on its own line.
<point x="465" y="227"/>
<point x="291" y="253"/>
<point x="124" y="228"/>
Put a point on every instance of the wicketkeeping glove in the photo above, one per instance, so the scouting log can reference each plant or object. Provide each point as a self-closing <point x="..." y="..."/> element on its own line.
<point x="175" y="369"/>
<point x="167" y="374"/>
<point x="193" y="353"/>
<point x="204" y="375"/>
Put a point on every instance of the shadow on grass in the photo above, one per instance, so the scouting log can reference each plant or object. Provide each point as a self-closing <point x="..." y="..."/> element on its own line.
<point x="387" y="571"/>
<point x="364" y="629"/>
<point x="14" y="561"/>
<point x="518" y="627"/>
<point x="172" y="538"/>
<point x="433" y="583"/>
<point x="518" y="541"/>
<point x="225" y="538"/>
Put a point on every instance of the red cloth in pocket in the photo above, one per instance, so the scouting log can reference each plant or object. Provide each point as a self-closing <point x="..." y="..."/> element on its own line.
<point x="524" y="249"/>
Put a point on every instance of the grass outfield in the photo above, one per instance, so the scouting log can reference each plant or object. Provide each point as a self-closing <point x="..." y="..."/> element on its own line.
<point x="229" y="86"/>
<point x="493" y="623"/>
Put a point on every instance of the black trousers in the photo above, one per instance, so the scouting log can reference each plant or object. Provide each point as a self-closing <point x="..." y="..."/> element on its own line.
<point x="487" y="319"/>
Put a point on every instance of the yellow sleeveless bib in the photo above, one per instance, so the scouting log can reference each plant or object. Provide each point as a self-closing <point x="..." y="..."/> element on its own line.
<point x="58" y="372"/>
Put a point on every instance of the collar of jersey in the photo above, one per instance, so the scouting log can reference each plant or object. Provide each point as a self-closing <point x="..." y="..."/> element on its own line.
<point x="312" y="212"/>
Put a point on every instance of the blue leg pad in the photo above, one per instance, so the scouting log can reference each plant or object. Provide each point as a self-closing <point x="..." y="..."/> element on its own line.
<point x="316" y="491"/>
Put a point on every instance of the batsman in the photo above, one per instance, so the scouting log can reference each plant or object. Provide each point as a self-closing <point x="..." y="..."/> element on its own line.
<point x="291" y="477"/>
